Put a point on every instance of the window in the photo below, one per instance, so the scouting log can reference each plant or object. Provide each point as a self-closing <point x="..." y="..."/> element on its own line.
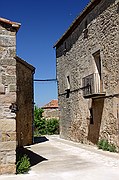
<point x="85" y="30"/>
<point x="65" y="48"/>
<point x="68" y="87"/>
<point x="68" y="93"/>
<point x="98" y="70"/>
<point x="91" y="116"/>
<point x="68" y="82"/>
<point x="97" y="63"/>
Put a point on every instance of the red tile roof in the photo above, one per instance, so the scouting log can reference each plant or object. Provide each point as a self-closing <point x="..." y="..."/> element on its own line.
<point x="13" y="24"/>
<point x="51" y="104"/>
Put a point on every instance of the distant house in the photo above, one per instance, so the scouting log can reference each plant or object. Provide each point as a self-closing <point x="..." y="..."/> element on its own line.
<point x="16" y="98"/>
<point x="51" y="110"/>
<point x="88" y="75"/>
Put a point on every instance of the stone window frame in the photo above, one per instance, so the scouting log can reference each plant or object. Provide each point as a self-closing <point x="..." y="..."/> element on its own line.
<point x="68" y="84"/>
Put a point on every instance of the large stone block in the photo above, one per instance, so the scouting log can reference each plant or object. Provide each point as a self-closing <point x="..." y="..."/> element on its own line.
<point x="7" y="157"/>
<point x="11" y="159"/>
<point x="8" y="169"/>
<point x="12" y="88"/>
<point x="11" y="70"/>
<point x="4" y="31"/>
<point x="7" y="146"/>
<point x="6" y="53"/>
<point x="8" y="62"/>
<point x="7" y="41"/>
<point x="10" y="79"/>
<point x="8" y="98"/>
<point x="7" y="125"/>
<point x="8" y="136"/>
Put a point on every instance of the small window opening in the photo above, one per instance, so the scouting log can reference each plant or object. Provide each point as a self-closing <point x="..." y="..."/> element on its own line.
<point x="98" y="72"/>
<point x="68" y="82"/>
<point x="68" y="87"/>
<point x="86" y="30"/>
<point x="65" y="47"/>
<point x="91" y="116"/>
<point x="97" y="59"/>
<point x="67" y="93"/>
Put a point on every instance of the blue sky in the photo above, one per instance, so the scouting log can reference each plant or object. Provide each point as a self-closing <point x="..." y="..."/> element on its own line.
<point x="43" y="22"/>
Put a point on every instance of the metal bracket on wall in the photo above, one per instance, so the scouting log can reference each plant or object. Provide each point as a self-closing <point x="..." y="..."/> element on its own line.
<point x="13" y="108"/>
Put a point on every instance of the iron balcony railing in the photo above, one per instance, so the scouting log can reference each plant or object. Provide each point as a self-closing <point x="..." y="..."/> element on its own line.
<point x="91" y="84"/>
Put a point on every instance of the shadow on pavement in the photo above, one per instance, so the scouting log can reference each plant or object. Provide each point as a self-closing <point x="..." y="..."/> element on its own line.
<point x="34" y="158"/>
<point x="40" y="139"/>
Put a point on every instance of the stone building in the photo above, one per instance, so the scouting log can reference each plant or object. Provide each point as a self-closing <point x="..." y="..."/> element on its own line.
<point x="88" y="75"/>
<point x="16" y="98"/>
<point x="51" y="110"/>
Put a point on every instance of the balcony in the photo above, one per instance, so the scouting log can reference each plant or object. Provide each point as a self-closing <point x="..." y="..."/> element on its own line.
<point x="92" y="86"/>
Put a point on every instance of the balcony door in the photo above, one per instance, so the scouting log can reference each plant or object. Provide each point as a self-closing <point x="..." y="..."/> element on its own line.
<point x="97" y="72"/>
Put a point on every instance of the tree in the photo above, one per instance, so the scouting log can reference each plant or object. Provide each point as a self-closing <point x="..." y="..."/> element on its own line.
<point x="37" y="116"/>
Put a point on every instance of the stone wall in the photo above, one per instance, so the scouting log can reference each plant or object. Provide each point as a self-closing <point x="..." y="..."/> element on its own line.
<point x="7" y="96"/>
<point x="16" y="98"/>
<point x="98" y="31"/>
<point x="51" y="113"/>
<point x="25" y="103"/>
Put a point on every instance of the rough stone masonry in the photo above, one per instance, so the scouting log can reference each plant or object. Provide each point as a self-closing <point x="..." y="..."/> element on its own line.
<point x="88" y="75"/>
<point x="7" y="95"/>
<point x="14" y="122"/>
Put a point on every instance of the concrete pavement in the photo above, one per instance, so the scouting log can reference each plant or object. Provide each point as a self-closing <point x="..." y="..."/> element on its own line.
<point x="57" y="159"/>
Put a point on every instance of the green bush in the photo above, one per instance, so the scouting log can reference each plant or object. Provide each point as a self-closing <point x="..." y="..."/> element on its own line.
<point x="36" y="133"/>
<point x="47" y="126"/>
<point x="37" y="116"/>
<point x="52" y="126"/>
<point x="39" y="122"/>
<point x="23" y="164"/>
<point x="44" y="126"/>
<point x="106" y="146"/>
<point x="112" y="148"/>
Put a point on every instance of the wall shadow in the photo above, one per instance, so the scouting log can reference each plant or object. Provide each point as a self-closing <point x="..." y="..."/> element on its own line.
<point x="40" y="139"/>
<point x="94" y="128"/>
<point x="34" y="158"/>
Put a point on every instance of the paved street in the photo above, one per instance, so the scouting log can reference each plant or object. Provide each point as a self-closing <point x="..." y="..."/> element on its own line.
<point x="57" y="159"/>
